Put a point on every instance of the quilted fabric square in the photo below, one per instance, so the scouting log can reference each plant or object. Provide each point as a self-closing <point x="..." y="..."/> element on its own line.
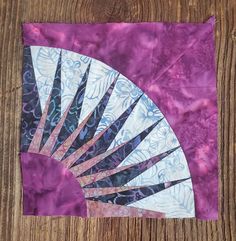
<point x="119" y="119"/>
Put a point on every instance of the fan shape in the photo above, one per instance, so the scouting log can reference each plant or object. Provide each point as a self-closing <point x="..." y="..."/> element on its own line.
<point x="94" y="123"/>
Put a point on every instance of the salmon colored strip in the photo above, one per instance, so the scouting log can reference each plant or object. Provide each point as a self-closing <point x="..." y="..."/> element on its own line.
<point x="93" y="192"/>
<point x="99" y="209"/>
<point x="85" y="180"/>
<point x="70" y="160"/>
<point x="36" y="141"/>
<point x="61" y="151"/>
<point x="81" y="168"/>
<point x="48" y="146"/>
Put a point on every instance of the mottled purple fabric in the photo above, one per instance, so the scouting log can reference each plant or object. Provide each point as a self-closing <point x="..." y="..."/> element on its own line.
<point x="174" y="65"/>
<point x="49" y="188"/>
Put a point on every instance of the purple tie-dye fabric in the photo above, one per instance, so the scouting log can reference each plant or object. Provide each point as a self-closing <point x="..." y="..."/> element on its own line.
<point x="49" y="188"/>
<point x="174" y="65"/>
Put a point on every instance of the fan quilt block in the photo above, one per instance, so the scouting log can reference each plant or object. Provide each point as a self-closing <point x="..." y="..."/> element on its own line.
<point x="119" y="120"/>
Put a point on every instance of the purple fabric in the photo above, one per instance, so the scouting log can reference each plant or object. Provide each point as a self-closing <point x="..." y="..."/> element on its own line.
<point x="49" y="188"/>
<point x="174" y="65"/>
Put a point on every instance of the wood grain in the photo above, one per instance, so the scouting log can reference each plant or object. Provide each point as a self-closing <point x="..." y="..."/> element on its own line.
<point x="15" y="227"/>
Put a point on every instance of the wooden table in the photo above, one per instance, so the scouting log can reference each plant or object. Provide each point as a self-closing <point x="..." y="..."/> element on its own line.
<point x="18" y="228"/>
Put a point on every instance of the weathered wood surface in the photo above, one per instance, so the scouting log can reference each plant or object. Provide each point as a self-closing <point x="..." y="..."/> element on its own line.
<point x="15" y="227"/>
